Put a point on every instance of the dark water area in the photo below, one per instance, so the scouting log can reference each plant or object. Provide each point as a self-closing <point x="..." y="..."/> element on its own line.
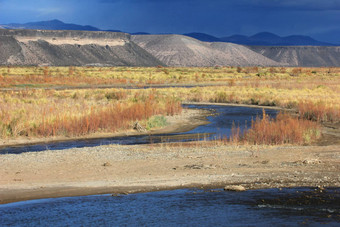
<point x="220" y="126"/>
<point x="185" y="207"/>
<point x="225" y="117"/>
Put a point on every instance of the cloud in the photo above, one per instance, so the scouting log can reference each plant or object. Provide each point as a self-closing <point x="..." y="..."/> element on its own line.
<point x="48" y="10"/>
<point x="306" y="5"/>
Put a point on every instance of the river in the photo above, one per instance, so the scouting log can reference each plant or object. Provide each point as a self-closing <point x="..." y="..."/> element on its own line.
<point x="185" y="207"/>
<point x="219" y="127"/>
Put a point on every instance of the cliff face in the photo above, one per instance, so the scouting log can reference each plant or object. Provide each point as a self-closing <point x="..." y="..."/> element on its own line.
<point x="63" y="48"/>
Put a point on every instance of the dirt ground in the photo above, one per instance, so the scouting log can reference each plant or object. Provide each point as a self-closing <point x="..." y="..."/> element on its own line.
<point x="130" y="169"/>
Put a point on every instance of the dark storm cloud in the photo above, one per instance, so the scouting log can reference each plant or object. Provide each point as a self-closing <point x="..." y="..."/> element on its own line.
<point x="315" y="5"/>
<point x="318" y="5"/>
<point x="216" y="17"/>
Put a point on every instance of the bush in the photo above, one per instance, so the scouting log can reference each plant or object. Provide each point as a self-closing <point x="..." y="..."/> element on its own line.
<point x="285" y="129"/>
<point x="156" y="122"/>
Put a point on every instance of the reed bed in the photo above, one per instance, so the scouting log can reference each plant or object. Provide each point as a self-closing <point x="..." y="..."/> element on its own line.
<point x="67" y="113"/>
<point x="285" y="129"/>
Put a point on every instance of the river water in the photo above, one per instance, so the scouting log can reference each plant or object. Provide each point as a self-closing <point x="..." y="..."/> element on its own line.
<point x="219" y="127"/>
<point x="185" y="207"/>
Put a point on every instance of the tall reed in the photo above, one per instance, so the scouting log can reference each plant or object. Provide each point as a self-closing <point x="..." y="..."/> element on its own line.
<point x="285" y="129"/>
<point x="318" y="111"/>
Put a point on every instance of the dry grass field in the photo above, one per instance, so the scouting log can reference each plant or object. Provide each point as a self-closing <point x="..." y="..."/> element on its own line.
<point x="31" y="106"/>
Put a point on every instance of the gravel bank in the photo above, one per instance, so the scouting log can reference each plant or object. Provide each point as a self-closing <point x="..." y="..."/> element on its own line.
<point x="129" y="169"/>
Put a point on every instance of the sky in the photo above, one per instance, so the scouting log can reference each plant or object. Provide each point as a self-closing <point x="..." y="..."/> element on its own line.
<point x="317" y="18"/>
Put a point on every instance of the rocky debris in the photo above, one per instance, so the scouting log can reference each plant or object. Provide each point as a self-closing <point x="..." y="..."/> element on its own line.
<point x="236" y="188"/>
<point x="199" y="166"/>
<point x="106" y="164"/>
<point x="264" y="162"/>
<point x="311" y="161"/>
<point x="138" y="127"/>
<point x="194" y="166"/>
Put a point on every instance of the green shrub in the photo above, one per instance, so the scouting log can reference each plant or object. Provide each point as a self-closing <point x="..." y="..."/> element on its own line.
<point x="156" y="122"/>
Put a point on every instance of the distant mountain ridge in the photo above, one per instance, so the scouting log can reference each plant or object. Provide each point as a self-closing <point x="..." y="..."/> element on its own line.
<point x="262" y="39"/>
<point x="259" y="39"/>
<point x="50" y="25"/>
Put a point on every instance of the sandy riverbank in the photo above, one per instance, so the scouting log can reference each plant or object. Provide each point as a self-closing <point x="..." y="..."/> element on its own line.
<point x="127" y="169"/>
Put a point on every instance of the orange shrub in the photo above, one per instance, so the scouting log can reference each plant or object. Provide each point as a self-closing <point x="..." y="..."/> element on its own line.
<point x="318" y="112"/>
<point x="285" y="129"/>
<point x="110" y="119"/>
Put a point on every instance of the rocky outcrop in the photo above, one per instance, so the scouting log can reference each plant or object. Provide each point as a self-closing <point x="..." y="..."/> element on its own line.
<point x="77" y="48"/>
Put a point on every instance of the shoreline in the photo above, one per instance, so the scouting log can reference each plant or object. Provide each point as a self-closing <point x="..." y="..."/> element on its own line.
<point x="234" y="104"/>
<point x="21" y="195"/>
<point x="188" y="120"/>
<point x="119" y="169"/>
<point x="178" y="124"/>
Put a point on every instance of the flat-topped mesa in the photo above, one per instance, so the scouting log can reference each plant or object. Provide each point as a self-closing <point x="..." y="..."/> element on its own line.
<point x="57" y="37"/>
<point x="65" y="48"/>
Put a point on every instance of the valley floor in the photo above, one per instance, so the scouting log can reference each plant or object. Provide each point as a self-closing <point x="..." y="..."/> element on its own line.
<point x="130" y="169"/>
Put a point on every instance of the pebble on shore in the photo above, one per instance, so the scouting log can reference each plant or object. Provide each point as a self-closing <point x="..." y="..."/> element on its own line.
<point x="236" y="188"/>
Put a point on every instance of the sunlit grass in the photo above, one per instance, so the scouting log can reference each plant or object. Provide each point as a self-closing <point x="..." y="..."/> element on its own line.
<point x="80" y="112"/>
<point x="313" y="92"/>
<point x="232" y="76"/>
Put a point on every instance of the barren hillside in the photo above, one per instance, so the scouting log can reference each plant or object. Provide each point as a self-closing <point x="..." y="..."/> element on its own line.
<point x="312" y="56"/>
<point x="179" y="50"/>
<point x="81" y="48"/>
<point x="59" y="48"/>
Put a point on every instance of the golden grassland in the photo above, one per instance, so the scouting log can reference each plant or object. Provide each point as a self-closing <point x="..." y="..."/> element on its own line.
<point x="28" y="112"/>
<point x="234" y="76"/>
<point x="80" y="112"/>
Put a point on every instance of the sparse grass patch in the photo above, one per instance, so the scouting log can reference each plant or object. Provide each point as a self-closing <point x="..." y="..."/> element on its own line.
<point x="156" y="122"/>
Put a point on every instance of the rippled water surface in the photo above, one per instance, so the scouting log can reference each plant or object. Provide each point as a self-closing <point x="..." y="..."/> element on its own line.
<point x="187" y="207"/>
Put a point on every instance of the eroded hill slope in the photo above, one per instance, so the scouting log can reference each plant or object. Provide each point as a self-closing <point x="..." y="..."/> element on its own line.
<point x="179" y="50"/>
<point x="304" y="56"/>
<point x="62" y="48"/>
